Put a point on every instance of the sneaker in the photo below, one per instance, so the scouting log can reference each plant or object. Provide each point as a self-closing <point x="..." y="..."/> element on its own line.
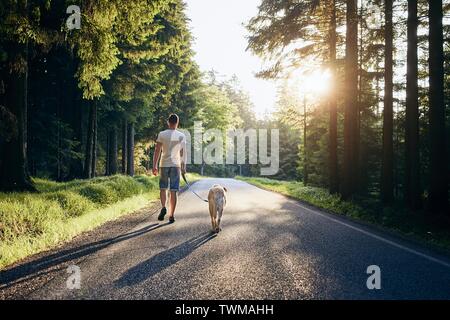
<point x="162" y="214"/>
<point x="171" y="220"/>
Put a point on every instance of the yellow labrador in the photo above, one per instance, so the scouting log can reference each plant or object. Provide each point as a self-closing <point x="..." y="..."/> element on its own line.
<point x="217" y="199"/>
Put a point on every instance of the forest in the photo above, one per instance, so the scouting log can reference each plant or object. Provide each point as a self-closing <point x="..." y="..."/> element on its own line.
<point x="381" y="128"/>
<point x="89" y="102"/>
<point x="76" y="104"/>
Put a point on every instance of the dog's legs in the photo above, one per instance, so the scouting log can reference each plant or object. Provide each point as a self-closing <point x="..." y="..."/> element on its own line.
<point x="219" y="219"/>
<point x="217" y="228"/>
<point x="212" y="213"/>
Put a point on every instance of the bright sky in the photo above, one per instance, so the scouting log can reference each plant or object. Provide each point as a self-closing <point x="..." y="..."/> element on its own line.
<point x="220" y="43"/>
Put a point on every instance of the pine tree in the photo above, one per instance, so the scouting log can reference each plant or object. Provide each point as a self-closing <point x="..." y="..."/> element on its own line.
<point x="333" y="126"/>
<point x="438" y="194"/>
<point x="14" y="174"/>
<point x="412" y="183"/>
<point x="387" y="178"/>
<point x="315" y="23"/>
<point x="349" y="183"/>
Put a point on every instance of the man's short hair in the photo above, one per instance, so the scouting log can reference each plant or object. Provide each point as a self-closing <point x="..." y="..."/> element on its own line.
<point x="173" y="119"/>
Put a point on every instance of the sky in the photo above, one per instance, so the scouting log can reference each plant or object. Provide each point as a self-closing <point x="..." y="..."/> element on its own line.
<point x="220" y="43"/>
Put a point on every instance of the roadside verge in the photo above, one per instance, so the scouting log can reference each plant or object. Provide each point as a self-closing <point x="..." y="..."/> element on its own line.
<point x="31" y="223"/>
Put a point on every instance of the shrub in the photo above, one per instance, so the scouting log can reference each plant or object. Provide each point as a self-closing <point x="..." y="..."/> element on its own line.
<point x="74" y="205"/>
<point x="31" y="217"/>
<point x="125" y="187"/>
<point x="149" y="183"/>
<point x="99" y="194"/>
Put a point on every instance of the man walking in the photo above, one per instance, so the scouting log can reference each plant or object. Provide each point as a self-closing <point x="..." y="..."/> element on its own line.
<point x="171" y="149"/>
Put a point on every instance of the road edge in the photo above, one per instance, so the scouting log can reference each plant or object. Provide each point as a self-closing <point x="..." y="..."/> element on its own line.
<point x="427" y="246"/>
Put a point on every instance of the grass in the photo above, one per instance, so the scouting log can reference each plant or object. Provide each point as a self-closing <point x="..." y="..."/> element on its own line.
<point x="416" y="226"/>
<point x="33" y="222"/>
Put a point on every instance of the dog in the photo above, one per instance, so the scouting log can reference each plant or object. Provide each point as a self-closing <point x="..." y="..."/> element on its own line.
<point x="217" y="198"/>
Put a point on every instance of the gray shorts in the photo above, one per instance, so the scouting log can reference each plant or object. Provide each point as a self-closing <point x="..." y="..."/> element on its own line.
<point x="169" y="178"/>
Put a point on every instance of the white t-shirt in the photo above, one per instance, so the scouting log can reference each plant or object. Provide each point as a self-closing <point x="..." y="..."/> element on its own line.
<point x="173" y="141"/>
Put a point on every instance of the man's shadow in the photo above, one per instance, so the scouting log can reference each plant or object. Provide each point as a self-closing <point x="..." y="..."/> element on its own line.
<point x="38" y="267"/>
<point x="162" y="260"/>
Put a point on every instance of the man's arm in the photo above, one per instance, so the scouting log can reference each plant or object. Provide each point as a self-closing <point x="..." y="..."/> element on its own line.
<point x="183" y="154"/>
<point x="156" y="156"/>
<point x="183" y="162"/>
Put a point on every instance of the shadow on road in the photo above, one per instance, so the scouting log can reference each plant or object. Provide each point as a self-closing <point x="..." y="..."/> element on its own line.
<point x="33" y="268"/>
<point x="163" y="260"/>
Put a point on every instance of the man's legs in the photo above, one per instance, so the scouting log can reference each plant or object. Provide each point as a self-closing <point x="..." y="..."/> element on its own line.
<point x="173" y="203"/>
<point x="163" y="186"/>
<point x="163" y="197"/>
<point x="174" y="176"/>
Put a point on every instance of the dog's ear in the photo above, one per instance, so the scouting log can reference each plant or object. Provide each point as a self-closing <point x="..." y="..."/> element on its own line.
<point x="225" y="189"/>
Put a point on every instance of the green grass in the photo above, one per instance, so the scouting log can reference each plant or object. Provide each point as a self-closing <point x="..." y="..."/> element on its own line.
<point x="416" y="226"/>
<point x="34" y="222"/>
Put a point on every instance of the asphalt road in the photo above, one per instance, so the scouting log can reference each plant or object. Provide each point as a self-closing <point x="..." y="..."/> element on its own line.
<point x="271" y="247"/>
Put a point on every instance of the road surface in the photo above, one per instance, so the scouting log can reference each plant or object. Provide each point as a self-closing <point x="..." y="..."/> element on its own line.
<point x="271" y="247"/>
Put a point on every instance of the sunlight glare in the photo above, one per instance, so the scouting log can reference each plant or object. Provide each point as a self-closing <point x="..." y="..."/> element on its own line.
<point x="317" y="82"/>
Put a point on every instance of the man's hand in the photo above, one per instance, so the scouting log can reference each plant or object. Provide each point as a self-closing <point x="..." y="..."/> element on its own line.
<point x="156" y="158"/>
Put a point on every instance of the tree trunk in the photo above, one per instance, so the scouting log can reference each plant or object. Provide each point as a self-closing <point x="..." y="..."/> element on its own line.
<point x="360" y="180"/>
<point x="107" y="156"/>
<point x="14" y="174"/>
<point x="88" y="159"/>
<point x="59" y="149"/>
<point x="112" y="152"/>
<point x="412" y="174"/>
<point x="130" y="153"/>
<point x="387" y="171"/>
<point x="124" y="147"/>
<point x="438" y="194"/>
<point x="305" y="156"/>
<point x="351" y="103"/>
<point x="76" y="121"/>
<point x="94" y="146"/>
<point x="333" y="143"/>
<point x="76" y="165"/>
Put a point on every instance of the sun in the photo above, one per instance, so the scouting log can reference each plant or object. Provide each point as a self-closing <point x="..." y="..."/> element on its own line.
<point x="312" y="83"/>
<point x="309" y="85"/>
<point x="317" y="82"/>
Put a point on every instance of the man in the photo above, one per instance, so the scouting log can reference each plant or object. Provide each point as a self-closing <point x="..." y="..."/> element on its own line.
<point x="171" y="148"/>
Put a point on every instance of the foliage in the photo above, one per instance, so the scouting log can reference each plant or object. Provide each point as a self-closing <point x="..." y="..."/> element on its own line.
<point x="294" y="38"/>
<point x="290" y="33"/>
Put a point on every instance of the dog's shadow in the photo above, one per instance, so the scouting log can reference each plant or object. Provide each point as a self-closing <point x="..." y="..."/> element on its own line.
<point x="162" y="260"/>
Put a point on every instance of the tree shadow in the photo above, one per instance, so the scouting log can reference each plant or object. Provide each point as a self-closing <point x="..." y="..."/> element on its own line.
<point x="162" y="260"/>
<point x="36" y="268"/>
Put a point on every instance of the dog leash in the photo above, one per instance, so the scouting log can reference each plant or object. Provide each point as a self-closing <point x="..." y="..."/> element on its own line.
<point x="189" y="187"/>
